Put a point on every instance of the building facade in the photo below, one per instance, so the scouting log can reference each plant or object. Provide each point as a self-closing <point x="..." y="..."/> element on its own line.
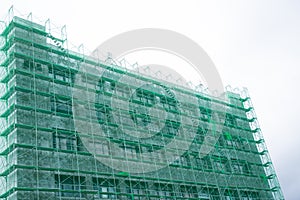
<point x="44" y="154"/>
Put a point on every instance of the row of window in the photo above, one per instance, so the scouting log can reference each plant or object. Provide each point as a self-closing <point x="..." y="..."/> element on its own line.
<point x="73" y="143"/>
<point x="148" y="98"/>
<point x="140" y="114"/>
<point x="55" y="73"/>
<point x="140" y="96"/>
<point x="32" y="66"/>
<point x="143" y="96"/>
<point x="206" y="114"/>
<point x="71" y="186"/>
<point x="221" y="165"/>
<point x="227" y="140"/>
<point x="103" y="85"/>
<point x="61" y="75"/>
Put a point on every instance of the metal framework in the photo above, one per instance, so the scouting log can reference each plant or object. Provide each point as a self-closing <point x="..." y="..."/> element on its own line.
<point x="43" y="155"/>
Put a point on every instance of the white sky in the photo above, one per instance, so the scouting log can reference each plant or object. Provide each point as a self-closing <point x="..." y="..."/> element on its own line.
<point x="254" y="44"/>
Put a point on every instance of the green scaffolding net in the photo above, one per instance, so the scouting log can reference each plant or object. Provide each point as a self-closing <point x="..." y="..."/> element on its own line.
<point x="76" y="127"/>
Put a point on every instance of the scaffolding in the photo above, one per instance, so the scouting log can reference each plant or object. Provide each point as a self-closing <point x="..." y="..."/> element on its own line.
<point x="49" y="142"/>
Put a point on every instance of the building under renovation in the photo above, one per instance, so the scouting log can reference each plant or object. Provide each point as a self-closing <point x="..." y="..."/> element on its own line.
<point x="67" y="132"/>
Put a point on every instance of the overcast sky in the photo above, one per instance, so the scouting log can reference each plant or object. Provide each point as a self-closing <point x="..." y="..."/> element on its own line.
<point x="254" y="44"/>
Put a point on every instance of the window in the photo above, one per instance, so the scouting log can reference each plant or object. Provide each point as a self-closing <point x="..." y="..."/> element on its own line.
<point x="28" y="65"/>
<point x="170" y="104"/>
<point x="246" y="195"/>
<point x="241" y="167"/>
<point x="172" y="127"/>
<point x="131" y="151"/>
<point x="61" y="105"/>
<point x="106" y="85"/>
<point x="162" y="190"/>
<point x="203" y="196"/>
<point x="109" y="86"/>
<point x="70" y="186"/>
<point x="61" y="75"/>
<point x="188" y="191"/>
<point x="177" y="161"/>
<point x="65" y="141"/>
<point x="140" y="116"/>
<point x="32" y="66"/>
<point x="231" y="195"/>
<point x="206" y="163"/>
<point x="249" y="195"/>
<point x="238" y="167"/>
<point x="230" y="120"/>
<point x="145" y="96"/>
<point x="38" y="67"/>
<point x="222" y="165"/>
<point x="106" y="188"/>
<point x="138" y="189"/>
<point x="205" y="114"/>
<point x="185" y="160"/>
<point x="103" y="113"/>
<point x="198" y="162"/>
<point x="122" y="91"/>
<point x="214" y="193"/>
<point x="208" y="193"/>
<point x="201" y="133"/>
<point x="247" y="168"/>
<point x="219" y="165"/>
<point x="101" y="147"/>
<point x="161" y="157"/>
<point x="231" y="141"/>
